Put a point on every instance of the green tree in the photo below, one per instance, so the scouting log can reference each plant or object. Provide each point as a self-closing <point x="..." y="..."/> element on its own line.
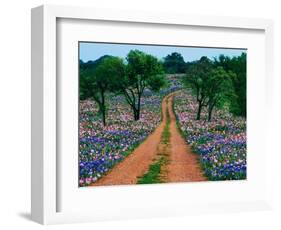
<point x="197" y="76"/>
<point x="238" y="66"/>
<point x="97" y="80"/>
<point x="142" y="71"/>
<point x="219" y="88"/>
<point x="85" y="91"/>
<point x="174" y="63"/>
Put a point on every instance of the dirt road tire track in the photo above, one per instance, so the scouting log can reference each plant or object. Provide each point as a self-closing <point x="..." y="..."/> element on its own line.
<point x="183" y="165"/>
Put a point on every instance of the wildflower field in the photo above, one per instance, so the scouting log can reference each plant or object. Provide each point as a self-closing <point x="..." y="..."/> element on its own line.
<point x="102" y="147"/>
<point x="148" y="118"/>
<point x="221" y="143"/>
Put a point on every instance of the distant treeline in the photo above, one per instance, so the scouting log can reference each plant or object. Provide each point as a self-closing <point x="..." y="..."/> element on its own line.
<point x="215" y="83"/>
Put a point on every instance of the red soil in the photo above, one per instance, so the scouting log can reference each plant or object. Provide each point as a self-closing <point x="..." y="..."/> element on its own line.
<point x="183" y="163"/>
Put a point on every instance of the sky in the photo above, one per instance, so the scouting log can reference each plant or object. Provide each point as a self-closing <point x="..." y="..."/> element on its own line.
<point x="92" y="51"/>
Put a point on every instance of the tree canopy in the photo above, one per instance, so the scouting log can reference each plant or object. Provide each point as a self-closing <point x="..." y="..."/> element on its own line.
<point x="142" y="71"/>
<point x="111" y="74"/>
<point x="197" y="78"/>
<point x="237" y="65"/>
<point x="212" y="84"/>
<point x="219" y="88"/>
<point x="174" y="63"/>
<point x="97" y="80"/>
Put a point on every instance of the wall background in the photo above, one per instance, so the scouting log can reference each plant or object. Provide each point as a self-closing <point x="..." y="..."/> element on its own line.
<point x="15" y="113"/>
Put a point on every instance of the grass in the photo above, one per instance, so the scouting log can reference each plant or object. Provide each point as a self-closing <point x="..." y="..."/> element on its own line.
<point x="166" y="133"/>
<point x="155" y="170"/>
<point x="154" y="173"/>
<point x="177" y="120"/>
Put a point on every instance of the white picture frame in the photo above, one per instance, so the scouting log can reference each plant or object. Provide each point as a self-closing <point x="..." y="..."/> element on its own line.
<point x="45" y="196"/>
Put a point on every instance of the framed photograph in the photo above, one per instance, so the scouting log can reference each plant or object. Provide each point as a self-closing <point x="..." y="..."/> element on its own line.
<point x="141" y="114"/>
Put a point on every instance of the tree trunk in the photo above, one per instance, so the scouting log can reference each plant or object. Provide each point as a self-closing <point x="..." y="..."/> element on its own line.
<point x="103" y="117"/>
<point x="199" y="111"/>
<point x="138" y="114"/>
<point x="139" y="106"/>
<point x="210" y="114"/>
<point x="210" y="111"/>
<point x="137" y="109"/>
<point x="135" y="113"/>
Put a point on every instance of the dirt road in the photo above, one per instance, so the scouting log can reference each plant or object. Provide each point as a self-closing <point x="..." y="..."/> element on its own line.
<point x="182" y="164"/>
